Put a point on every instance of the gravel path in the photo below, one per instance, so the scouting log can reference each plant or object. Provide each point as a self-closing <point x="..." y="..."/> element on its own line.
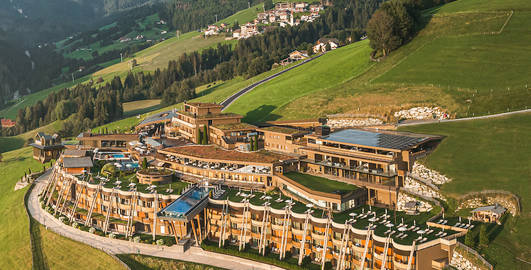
<point x="114" y="246"/>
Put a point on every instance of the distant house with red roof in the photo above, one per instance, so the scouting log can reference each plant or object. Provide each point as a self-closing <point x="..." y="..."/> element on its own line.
<point x="6" y="123"/>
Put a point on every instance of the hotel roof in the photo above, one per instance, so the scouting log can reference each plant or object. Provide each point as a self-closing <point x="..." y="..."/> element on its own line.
<point x="390" y="140"/>
<point x="216" y="153"/>
<point x="235" y="126"/>
<point x="157" y="118"/>
<point x="283" y="130"/>
<point x="75" y="152"/>
<point x="77" y="162"/>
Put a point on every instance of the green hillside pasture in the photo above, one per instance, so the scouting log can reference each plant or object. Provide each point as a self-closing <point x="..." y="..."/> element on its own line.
<point x="15" y="249"/>
<point x="416" y="73"/>
<point x="140" y="106"/>
<point x="11" y="112"/>
<point x="486" y="70"/>
<point x="332" y="69"/>
<point x="63" y="253"/>
<point x="489" y="154"/>
<point x="243" y="16"/>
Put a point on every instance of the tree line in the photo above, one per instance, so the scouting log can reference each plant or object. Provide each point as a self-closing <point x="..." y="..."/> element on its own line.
<point x="396" y="22"/>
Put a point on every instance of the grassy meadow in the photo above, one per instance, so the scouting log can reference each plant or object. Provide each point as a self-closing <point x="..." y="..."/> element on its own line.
<point x="485" y="155"/>
<point x="471" y="58"/>
<point x="328" y="71"/>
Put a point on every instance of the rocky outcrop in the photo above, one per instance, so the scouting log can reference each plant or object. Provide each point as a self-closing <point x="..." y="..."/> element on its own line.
<point x="505" y="201"/>
<point x="421" y="189"/>
<point x="404" y="198"/>
<point x="423" y="172"/>
<point x="345" y="123"/>
<point x="421" y="113"/>
<point x="460" y="262"/>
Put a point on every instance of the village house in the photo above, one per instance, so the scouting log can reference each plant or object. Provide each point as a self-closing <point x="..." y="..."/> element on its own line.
<point x="298" y="55"/>
<point x="6" y="123"/>
<point x="322" y="43"/>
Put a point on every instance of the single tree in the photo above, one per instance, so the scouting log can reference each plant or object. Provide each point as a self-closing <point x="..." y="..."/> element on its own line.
<point x="380" y="31"/>
<point x="256" y="143"/>
<point x="205" y="134"/>
<point x="251" y="144"/>
<point x="144" y="163"/>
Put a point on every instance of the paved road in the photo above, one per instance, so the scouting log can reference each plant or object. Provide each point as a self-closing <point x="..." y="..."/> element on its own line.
<point x="113" y="246"/>
<point x="422" y="122"/>
<point x="237" y="95"/>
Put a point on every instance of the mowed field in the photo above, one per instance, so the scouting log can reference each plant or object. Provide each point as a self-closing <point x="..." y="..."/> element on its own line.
<point x="328" y="71"/>
<point x="486" y="155"/>
<point x="472" y="58"/>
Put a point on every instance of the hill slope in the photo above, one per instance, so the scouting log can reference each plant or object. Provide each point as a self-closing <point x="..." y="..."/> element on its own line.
<point x="470" y="59"/>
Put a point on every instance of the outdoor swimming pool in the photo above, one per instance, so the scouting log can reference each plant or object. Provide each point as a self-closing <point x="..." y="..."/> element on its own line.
<point x="185" y="203"/>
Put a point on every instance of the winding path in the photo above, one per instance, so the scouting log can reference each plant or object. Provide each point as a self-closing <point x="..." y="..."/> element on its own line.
<point x="114" y="246"/>
<point x="422" y="122"/>
<point x="227" y="102"/>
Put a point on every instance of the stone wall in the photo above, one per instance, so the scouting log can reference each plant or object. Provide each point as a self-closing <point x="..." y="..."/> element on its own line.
<point x="491" y="197"/>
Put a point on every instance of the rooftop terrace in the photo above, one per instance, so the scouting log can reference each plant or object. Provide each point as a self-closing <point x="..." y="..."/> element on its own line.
<point x="404" y="228"/>
<point x="216" y="153"/>
<point x="320" y="183"/>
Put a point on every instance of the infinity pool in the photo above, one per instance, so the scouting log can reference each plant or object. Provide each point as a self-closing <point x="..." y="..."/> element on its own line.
<point x="187" y="201"/>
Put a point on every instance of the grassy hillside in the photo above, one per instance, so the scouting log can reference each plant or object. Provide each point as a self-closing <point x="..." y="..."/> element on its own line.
<point x="11" y="111"/>
<point x="15" y="249"/>
<point x="328" y="71"/>
<point x="471" y="59"/>
<point x="489" y="154"/>
<point x="63" y="253"/>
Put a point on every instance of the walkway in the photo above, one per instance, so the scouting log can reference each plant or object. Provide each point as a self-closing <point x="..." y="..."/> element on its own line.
<point x="227" y="102"/>
<point x="422" y="122"/>
<point x="114" y="246"/>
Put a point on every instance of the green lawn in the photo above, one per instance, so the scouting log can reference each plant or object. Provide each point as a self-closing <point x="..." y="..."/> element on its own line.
<point x="320" y="183"/>
<point x="15" y="248"/>
<point x="63" y="253"/>
<point x="141" y="262"/>
<point x="330" y="70"/>
<point x="243" y="16"/>
<point x="489" y="154"/>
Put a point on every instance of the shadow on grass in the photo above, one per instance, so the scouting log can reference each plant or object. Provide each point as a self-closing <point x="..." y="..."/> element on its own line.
<point x="261" y="113"/>
<point x="10" y="143"/>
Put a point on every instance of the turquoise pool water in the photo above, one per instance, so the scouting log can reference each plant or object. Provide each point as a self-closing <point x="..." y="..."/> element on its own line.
<point x="185" y="203"/>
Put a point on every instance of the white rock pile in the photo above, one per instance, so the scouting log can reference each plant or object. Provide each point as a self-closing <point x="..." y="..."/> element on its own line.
<point x="434" y="176"/>
<point x="421" y="189"/>
<point x="478" y="202"/>
<point x="343" y="123"/>
<point x="421" y="113"/>
<point x="461" y="263"/>
<point x="404" y="198"/>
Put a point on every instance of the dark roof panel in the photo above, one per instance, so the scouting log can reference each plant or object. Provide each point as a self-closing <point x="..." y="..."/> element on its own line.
<point x="375" y="139"/>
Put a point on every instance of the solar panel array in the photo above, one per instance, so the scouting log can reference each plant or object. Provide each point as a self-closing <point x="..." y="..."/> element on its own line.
<point x="374" y="139"/>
